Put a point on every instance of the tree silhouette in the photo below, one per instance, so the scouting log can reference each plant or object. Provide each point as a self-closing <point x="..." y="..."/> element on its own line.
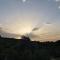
<point x="25" y="49"/>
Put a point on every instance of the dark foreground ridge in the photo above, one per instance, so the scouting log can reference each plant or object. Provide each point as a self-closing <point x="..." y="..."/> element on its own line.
<point x="25" y="49"/>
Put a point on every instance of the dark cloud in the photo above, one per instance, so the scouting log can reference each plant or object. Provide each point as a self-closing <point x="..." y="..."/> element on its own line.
<point x="36" y="28"/>
<point x="4" y="33"/>
<point x="48" y="23"/>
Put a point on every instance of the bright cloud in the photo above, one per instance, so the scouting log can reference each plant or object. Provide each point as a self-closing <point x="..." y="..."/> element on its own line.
<point x="58" y="7"/>
<point x="57" y="0"/>
<point x="23" y="0"/>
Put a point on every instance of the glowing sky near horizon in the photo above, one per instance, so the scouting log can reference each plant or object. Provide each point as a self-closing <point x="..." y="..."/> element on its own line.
<point x="22" y="16"/>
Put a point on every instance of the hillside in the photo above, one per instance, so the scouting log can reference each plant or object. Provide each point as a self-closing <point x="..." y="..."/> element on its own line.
<point x="25" y="49"/>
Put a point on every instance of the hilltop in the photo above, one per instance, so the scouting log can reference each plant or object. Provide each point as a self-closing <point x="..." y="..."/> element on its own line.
<point x="25" y="49"/>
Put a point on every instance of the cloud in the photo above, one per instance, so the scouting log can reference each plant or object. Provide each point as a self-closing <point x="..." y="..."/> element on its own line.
<point x="57" y="0"/>
<point x="58" y="7"/>
<point x="38" y="28"/>
<point x="4" y="33"/>
<point x="35" y="29"/>
<point x="23" y="0"/>
<point x="47" y="32"/>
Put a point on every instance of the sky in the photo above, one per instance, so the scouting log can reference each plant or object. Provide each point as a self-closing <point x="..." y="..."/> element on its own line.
<point x="39" y="19"/>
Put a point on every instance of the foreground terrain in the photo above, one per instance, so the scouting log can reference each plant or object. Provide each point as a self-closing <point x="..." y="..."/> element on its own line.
<point x="25" y="49"/>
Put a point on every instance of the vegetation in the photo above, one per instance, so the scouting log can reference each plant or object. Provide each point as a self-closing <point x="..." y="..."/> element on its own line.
<point x="25" y="49"/>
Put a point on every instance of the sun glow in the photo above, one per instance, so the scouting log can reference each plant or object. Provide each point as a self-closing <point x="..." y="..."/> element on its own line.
<point x="24" y="31"/>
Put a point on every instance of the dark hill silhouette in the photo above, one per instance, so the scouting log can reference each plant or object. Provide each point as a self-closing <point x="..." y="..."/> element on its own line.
<point x="25" y="49"/>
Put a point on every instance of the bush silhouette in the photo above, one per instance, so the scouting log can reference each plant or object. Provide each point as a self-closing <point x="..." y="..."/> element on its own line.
<point x="25" y="49"/>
